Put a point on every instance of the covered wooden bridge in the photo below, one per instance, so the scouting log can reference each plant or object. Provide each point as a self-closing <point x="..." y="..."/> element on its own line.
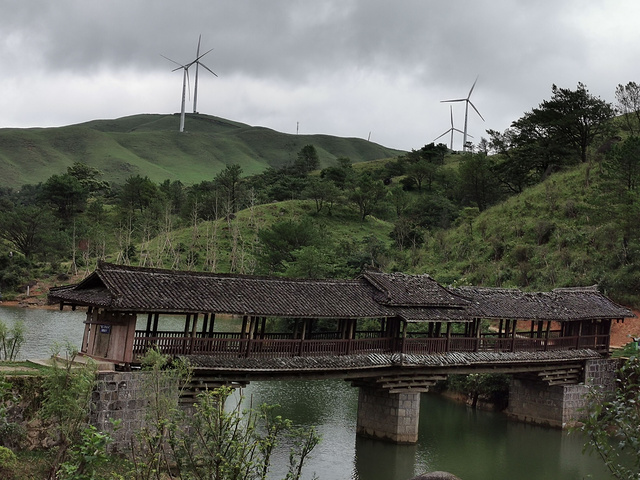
<point x="391" y="335"/>
<point x="375" y="313"/>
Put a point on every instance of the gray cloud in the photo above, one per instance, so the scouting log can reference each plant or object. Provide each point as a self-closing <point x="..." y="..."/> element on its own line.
<point x="354" y="64"/>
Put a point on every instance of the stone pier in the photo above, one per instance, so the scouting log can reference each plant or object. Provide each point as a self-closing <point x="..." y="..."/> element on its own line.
<point x="124" y="397"/>
<point x="535" y="401"/>
<point x="388" y="416"/>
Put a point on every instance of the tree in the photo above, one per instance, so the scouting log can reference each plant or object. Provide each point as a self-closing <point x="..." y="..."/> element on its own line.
<point x="623" y="163"/>
<point x="321" y="191"/>
<point x="31" y="230"/>
<point x="307" y="160"/>
<point x="367" y="194"/>
<point x="138" y="193"/>
<point x="278" y="244"/>
<point x="477" y="182"/>
<point x="88" y="178"/>
<point x="434" y="153"/>
<point x="628" y="105"/>
<point x="174" y="194"/>
<point x="573" y="116"/>
<point x="612" y="423"/>
<point x="341" y="174"/>
<point x="66" y="194"/>
<point x="517" y="166"/>
<point x="228" y="180"/>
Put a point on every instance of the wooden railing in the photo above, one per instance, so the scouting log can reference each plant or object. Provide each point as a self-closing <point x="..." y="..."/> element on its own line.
<point x="276" y="345"/>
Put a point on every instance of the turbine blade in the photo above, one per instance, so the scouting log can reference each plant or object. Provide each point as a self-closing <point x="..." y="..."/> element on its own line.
<point x="200" y="56"/>
<point x="173" y="61"/>
<point x="472" y="87"/>
<point x="442" y="135"/>
<point x="198" y="49"/>
<point x="459" y="131"/>
<point x="199" y="63"/>
<point x="456" y="100"/>
<point x="474" y="107"/>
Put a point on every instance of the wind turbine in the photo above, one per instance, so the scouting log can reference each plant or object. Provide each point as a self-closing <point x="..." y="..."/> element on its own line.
<point x="198" y="63"/>
<point x="452" y="129"/>
<point x="185" y="80"/>
<point x="466" y="112"/>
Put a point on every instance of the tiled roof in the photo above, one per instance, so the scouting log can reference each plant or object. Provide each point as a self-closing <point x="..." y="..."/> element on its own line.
<point x="562" y="304"/>
<point x="415" y="298"/>
<point x="143" y="289"/>
<point x="400" y="289"/>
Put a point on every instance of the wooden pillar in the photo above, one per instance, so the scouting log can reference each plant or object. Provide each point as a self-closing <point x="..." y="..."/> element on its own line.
<point x="205" y="324"/>
<point x="296" y="324"/>
<point x="500" y="328"/>
<point x="88" y="327"/>
<point x="187" y="324"/>
<point x="546" y="335"/>
<point x="448" y="346"/>
<point x="513" y="335"/>
<point x="243" y="332"/>
<point x="194" y="328"/>
<point x="250" y="334"/>
<point x="539" y="334"/>
<point x="149" y="320"/>
<point x="579" y="334"/>
<point x="211" y="323"/>
<point x="478" y="331"/>
<point x="263" y="327"/>
<point x="156" y="318"/>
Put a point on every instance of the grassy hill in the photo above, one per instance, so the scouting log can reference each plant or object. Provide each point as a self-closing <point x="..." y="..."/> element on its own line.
<point x="150" y="145"/>
<point x="571" y="230"/>
<point x="230" y="244"/>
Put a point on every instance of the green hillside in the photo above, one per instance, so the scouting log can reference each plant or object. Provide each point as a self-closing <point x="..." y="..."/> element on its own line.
<point x="573" y="229"/>
<point x="150" y="145"/>
<point x="340" y="243"/>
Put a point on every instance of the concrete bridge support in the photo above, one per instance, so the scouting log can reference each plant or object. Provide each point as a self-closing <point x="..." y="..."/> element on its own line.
<point x="539" y="402"/>
<point x="388" y="416"/>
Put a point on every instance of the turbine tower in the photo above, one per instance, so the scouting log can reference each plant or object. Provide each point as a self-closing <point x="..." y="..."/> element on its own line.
<point x="185" y="80"/>
<point x="198" y="63"/>
<point x="466" y="112"/>
<point x="452" y="129"/>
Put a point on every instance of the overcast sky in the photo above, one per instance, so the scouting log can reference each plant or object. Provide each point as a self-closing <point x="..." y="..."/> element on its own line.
<point x="351" y="68"/>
